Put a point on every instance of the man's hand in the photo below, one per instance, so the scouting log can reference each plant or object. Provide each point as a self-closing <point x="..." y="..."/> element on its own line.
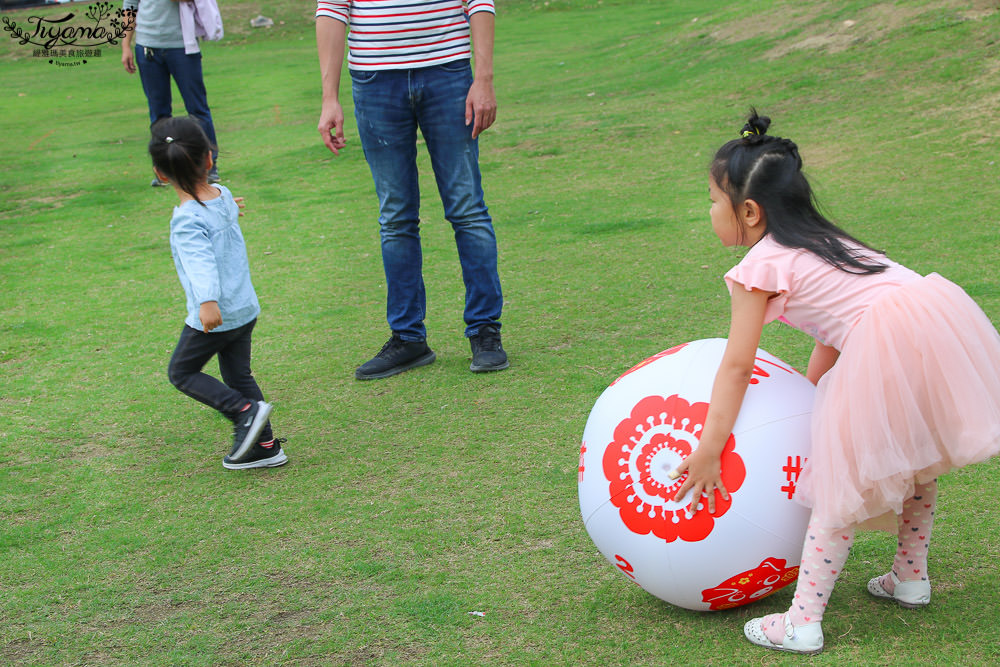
<point x="480" y="106"/>
<point x="331" y="36"/>
<point x="481" y="102"/>
<point x="128" y="54"/>
<point x="331" y="126"/>
<point x="128" y="60"/>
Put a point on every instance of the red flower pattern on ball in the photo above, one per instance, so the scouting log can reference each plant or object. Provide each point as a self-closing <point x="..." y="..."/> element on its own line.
<point x="661" y="432"/>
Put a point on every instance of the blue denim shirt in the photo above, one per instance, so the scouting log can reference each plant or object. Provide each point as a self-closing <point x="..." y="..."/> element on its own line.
<point x="211" y="260"/>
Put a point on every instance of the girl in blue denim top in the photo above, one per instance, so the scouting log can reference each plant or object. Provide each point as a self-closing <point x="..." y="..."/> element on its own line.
<point x="211" y="260"/>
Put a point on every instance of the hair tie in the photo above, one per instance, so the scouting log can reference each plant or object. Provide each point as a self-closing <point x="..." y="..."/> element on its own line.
<point x="168" y="140"/>
<point x="750" y="133"/>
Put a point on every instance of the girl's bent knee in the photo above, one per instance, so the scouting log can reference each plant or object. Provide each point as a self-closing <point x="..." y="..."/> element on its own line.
<point x="177" y="377"/>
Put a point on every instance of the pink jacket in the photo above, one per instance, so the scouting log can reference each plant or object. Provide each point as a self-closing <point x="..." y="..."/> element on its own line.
<point x="199" y="18"/>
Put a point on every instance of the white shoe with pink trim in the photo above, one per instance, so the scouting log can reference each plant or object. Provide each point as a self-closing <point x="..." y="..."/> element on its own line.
<point x="806" y="639"/>
<point x="909" y="594"/>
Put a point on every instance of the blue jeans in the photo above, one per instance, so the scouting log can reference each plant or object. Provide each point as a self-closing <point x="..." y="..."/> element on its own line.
<point x="156" y="66"/>
<point x="389" y="106"/>
<point x="195" y="349"/>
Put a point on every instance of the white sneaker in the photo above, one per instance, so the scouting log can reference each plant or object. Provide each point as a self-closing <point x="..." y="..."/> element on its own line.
<point x="260" y="457"/>
<point x="806" y="639"/>
<point x="909" y="594"/>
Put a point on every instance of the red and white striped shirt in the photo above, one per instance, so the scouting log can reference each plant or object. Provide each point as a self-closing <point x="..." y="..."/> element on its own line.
<point x="404" y="34"/>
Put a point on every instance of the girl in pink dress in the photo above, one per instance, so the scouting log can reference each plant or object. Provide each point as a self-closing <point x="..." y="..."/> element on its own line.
<point x="907" y="369"/>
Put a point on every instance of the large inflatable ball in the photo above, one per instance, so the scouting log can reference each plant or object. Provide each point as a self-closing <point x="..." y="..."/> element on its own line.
<point x="643" y="426"/>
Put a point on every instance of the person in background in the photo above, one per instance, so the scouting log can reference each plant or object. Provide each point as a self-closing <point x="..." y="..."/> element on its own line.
<point x="155" y="46"/>
<point x="409" y="64"/>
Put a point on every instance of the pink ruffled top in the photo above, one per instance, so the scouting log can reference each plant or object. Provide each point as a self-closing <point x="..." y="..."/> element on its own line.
<point x="810" y="294"/>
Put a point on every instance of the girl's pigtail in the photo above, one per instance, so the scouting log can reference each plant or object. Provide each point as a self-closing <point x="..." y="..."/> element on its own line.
<point x="768" y="169"/>
<point x="179" y="148"/>
<point x="756" y="125"/>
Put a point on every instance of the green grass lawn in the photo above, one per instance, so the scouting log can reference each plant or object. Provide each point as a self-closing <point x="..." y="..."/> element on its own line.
<point x="410" y="502"/>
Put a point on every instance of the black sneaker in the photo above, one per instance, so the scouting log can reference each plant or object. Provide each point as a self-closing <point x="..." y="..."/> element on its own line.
<point x="213" y="175"/>
<point x="157" y="183"/>
<point x="247" y="427"/>
<point x="260" y="457"/>
<point x="487" y="352"/>
<point x="396" y="356"/>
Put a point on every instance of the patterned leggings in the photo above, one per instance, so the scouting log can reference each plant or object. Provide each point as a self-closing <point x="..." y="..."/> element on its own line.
<point x="825" y="552"/>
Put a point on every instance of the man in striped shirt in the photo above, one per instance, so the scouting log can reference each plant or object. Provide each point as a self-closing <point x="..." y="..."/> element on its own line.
<point x="409" y="63"/>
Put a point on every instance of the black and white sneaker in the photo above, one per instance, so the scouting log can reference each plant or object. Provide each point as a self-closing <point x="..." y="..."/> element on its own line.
<point x="396" y="356"/>
<point x="487" y="352"/>
<point x="247" y="427"/>
<point x="259" y="457"/>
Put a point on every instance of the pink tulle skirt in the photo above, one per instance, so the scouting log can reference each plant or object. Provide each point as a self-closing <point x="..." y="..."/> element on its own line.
<point x="915" y="393"/>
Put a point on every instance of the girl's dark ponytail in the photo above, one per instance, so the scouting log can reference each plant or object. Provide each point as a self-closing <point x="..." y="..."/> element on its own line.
<point x="768" y="170"/>
<point x="179" y="148"/>
<point x="755" y="126"/>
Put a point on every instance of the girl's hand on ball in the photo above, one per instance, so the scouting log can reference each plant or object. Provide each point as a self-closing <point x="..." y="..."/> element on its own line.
<point x="704" y="478"/>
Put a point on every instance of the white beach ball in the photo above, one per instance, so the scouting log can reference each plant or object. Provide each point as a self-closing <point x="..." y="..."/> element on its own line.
<point x="643" y="426"/>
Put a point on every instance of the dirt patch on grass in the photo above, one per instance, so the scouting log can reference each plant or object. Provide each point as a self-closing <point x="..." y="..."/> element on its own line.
<point x="871" y="24"/>
<point x="812" y="34"/>
<point x="767" y="24"/>
<point x="86" y="451"/>
<point x="19" y="651"/>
